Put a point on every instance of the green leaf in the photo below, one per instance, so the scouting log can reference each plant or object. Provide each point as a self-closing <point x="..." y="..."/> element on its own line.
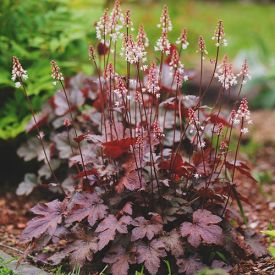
<point x="271" y="250"/>
<point x="270" y="233"/>
<point x="168" y="267"/>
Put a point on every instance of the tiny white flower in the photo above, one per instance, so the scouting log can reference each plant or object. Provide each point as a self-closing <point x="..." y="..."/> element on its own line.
<point x="196" y="176"/>
<point x="17" y="84"/>
<point x="244" y="130"/>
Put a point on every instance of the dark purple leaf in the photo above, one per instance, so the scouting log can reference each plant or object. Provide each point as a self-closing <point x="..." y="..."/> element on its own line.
<point x="79" y="251"/>
<point x="221" y="265"/>
<point x="241" y="167"/>
<point x="189" y="266"/>
<point x="148" y="228"/>
<point x="150" y="255"/>
<point x="203" y="229"/>
<point x="108" y="228"/>
<point x="88" y="206"/>
<point x="173" y="243"/>
<point x="49" y="215"/>
<point x="120" y="260"/>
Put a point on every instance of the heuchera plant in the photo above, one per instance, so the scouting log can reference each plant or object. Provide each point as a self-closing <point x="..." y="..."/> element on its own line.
<point x="145" y="170"/>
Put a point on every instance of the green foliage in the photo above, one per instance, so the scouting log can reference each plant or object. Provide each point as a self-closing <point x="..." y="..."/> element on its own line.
<point x="262" y="63"/>
<point x="216" y="271"/>
<point x="271" y="235"/>
<point x="36" y="32"/>
<point x="169" y="272"/>
<point x="264" y="177"/>
<point x="141" y="272"/>
<point x="4" y="270"/>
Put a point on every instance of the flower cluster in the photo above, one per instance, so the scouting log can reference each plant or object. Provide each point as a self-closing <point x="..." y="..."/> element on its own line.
<point x="128" y="20"/>
<point x="196" y="129"/>
<point x="157" y="132"/>
<point x="109" y="72"/>
<point x="202" y="47"/>
<point x="56" y="73"/>
<point x="120" y="88"/>
<point x="225" y="74"/>
<point x="219" y="35"/>
<point x="244" y="73"/>
<point x="132" y="52"/>
<point x="18" y="73"/>
<point x="182" y="40"/>
<point x="152" y="82"/>
<point x="91" y="52"/>
<point x="103" y="27"/>
<point x="241" y="116"/>
<point x="117" y="21"/>
<point x="163" y="45"/>
<point x="142" y="39"/>
<point x="165" y="21"/>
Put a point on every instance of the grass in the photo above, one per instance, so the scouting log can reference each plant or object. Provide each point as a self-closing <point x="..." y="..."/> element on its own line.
<point x="4" y="270"/>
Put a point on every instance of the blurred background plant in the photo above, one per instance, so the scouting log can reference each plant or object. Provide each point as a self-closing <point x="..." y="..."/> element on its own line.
<point x="38" y="31"/>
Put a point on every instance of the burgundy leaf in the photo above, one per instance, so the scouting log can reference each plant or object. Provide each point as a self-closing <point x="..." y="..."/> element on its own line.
<point x="173" y="243"/>
<point x="203" y="229"/>
<point x="148" y="228"/>
<point x="49" y="216"/>
<point x="177" y="166"/>
<point x="117" y="148"/>
<point x="150" y="255"/>
<point x="215" y="119"/>
<point x="130" y="180"/>
<point x="79" y="251"/>
<point x="221" y="265"/>
<point x="200" y="164"/>
<point x="189" y="266"/>
<point x="83" y="174"/>
<point x="88" y="206"/>
<point x="127" y="208"/>
<point x="241" y="167"/>
<point x="83" y="250"/>
<point x="254" y="244"/>
<point x="80" y="138"/>
<point x="120" y="260"/>
<point x="109" y="226"/>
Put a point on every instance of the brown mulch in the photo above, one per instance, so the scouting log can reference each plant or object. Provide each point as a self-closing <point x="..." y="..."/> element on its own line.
<point x="14" y="214"/>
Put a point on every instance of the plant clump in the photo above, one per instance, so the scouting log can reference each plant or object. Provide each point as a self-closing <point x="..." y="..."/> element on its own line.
<point x="146" y="171"/>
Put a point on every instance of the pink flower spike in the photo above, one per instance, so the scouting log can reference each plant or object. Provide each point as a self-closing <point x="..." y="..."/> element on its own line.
<point x="152" y="83"/>
<point x="202" y="47"/>
<point x="244" y="73"/>
<point x="225" y="74"/>
<point x="18" y="73"/>
<point x="219" y="35"/>
<point x="56" y="73"/>
<point x="182" y="40"/>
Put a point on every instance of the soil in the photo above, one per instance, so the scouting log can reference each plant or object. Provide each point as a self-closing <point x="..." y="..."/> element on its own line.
<point x="14" y="211"/>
